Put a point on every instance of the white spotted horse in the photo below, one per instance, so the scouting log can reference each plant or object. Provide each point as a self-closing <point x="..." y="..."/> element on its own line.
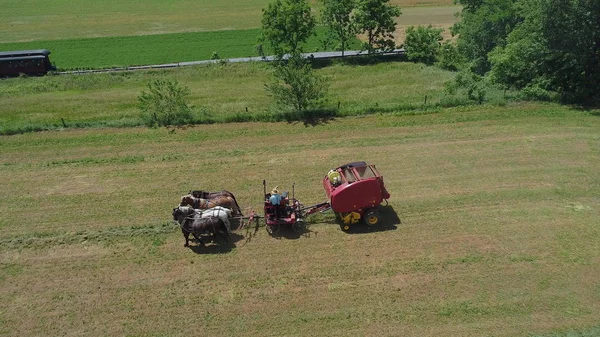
<point x="195" y="224"/>
<point x="219" y="212"/>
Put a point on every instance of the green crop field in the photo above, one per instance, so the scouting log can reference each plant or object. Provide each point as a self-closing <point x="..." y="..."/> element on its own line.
<point x="499" y="231"/>
<point x="123" y="51"/>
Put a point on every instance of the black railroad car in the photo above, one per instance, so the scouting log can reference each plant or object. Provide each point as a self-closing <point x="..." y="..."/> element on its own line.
<point x="29" y="62"/>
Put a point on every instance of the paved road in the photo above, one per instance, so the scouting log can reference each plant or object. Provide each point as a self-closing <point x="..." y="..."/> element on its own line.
<point x="316" y="55"/>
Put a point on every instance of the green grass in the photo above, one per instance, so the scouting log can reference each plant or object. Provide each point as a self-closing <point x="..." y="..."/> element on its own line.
<point x="499" y="233"/>
<point x="219" y="93"/>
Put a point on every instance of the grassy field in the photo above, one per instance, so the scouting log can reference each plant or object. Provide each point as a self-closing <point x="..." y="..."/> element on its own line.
<point x="499" y="231"/>
<point x="221" y="91"/>
<point x="29" y="20"/>
<point x="492" y="228"/>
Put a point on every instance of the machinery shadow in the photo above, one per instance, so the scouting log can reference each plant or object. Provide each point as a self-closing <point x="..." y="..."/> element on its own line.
<point x="287" y="232"/>
<point x="219" y="247"/>
<point x="389" y="221"/>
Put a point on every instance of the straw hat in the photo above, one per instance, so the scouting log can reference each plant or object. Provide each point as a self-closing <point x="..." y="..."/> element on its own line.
<point x="275" y="190"/>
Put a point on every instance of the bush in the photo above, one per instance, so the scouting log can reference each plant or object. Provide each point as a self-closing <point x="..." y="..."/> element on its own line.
<point x="449" y="58"/>
<point x="470" y="84"/>
<point x="423" y="43"/>
<point x="535" y="92"/>
<point x="165" y="104"/>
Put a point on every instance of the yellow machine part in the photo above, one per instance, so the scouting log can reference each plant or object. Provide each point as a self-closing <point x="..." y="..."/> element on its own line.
<point x="334" y="177"/>
<point x="351" y="218"/>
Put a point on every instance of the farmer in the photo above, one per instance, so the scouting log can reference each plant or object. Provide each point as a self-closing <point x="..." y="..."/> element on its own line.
<point x="275" y="198"/>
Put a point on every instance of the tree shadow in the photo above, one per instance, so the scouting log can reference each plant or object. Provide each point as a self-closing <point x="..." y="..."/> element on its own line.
<point x="362" y="60"/>
<point x="219" y="247"/>
<point x="389" y="221"/>
<point x="312" y="117"/>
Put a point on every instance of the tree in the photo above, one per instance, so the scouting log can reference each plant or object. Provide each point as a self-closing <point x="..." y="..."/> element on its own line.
<point x="571" y="31"/>
<point x="337" y="15"/>
<point x="375" y="18"/>
<point x="423" y="43"/>
<point x="557" y="48"/>
<point x="296" y="85"/>
<point x="165" y="104"/>
<point x="286" y="25"/>
<point x="484" y="25"/>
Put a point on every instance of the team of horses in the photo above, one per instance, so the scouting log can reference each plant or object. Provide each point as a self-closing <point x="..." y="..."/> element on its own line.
<point x="201" y="212"/>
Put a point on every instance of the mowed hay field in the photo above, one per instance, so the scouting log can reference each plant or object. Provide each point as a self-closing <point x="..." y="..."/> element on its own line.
<point x="499" y="231"/>
<point x="30" y="20"/>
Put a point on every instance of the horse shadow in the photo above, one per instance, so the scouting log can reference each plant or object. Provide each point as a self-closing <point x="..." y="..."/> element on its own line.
<point x="218" y="247"/>
<point x="389" y="222"/>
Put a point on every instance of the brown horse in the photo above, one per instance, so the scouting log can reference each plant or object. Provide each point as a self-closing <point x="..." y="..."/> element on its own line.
<point x="209" y="195"/>
<point x="196" y="225"/>
<point x="201" y="203"/>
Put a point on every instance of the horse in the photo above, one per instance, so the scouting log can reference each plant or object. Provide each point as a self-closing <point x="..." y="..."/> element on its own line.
<point x="201" y="194"/>
<point x="201" y="203"/>
<point x="217" y="211"/>
<point x="209" y="195"/>
<point x="196" y="225"/>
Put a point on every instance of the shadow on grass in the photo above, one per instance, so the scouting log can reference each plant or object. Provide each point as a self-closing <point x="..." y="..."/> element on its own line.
<point x="311" y="117"/>
<point x="362" y="60"/>
<point x="389" y="221"/>
<point x="219" y="247"/>
<point x="287" y="232"/>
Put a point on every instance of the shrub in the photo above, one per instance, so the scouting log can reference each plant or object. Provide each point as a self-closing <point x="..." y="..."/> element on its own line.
<point x="473" y="86"/>
<point x="535" y="92"/>
<point x="165" y="104"/>
<point x="448" y="57"/>
<point x="423" y="43"/>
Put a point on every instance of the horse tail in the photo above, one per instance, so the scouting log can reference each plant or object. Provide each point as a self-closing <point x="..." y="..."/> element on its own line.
<point x="224" y="229"/>
<point x="239" y="210"/>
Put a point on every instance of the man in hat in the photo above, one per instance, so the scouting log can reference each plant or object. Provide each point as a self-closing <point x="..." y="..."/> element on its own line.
<point x="275" y="198"/>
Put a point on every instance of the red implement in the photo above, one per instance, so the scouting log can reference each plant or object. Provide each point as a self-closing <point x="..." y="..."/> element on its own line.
<point x="354" y="191"/>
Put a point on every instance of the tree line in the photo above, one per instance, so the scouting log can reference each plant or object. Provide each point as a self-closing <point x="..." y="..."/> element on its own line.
<point x="540" y="46"/>
<point x="546" y="49"/>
